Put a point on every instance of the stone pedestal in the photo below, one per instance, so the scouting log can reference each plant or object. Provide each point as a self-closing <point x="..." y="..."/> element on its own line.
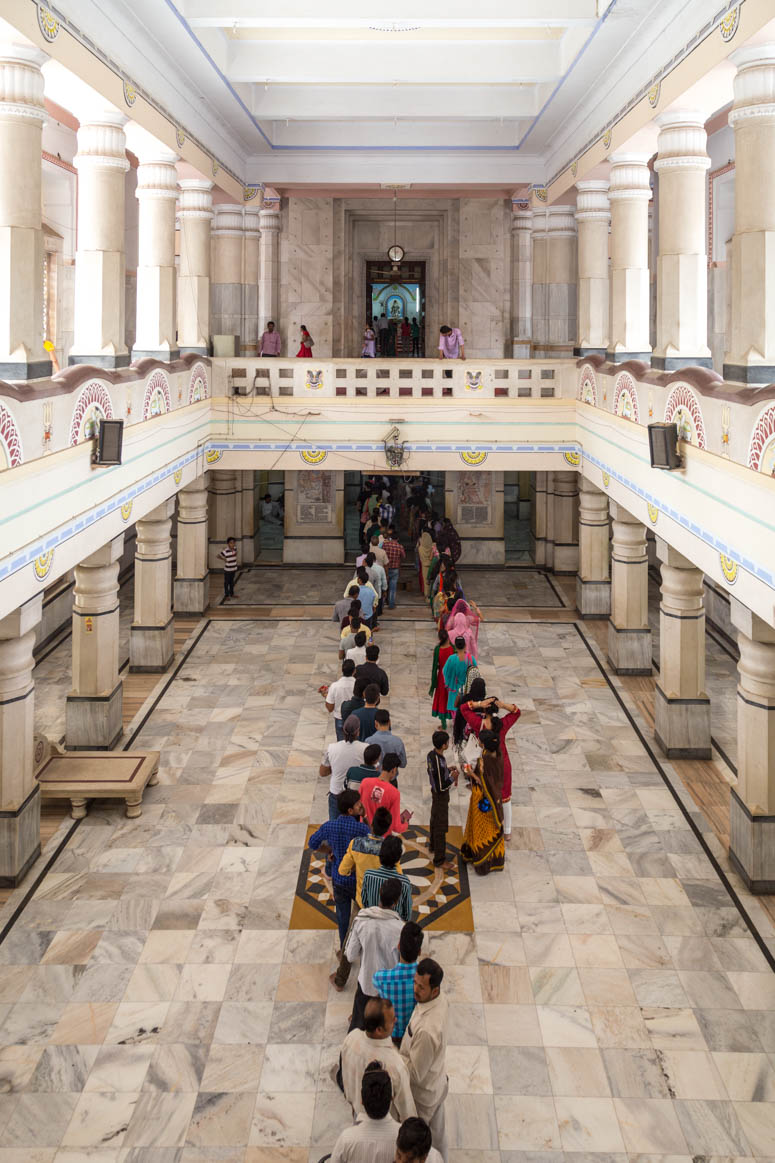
<point x="750" y="355"/>
<point x="156" y="193"/>
<point x="100" y="265"/>
<point x="752" y="803"/>
<point x="593" y="214"/>
<point x="19" y="793"/>
<point x="192" y="578"/>
<point x="681" y="706"/>
<point x="225" y="503"/>
<point x="629" y="636"/>
<point x="521" y="283"/>
<point x="629" y="194"/>
<point x="474" y="503"/>
<point x="151" y="638"/>
<point x="22" y="114"/>
<point x="314" y="517"/>
<point x="538" y="504"/>
<point x="194" y="215"/>
<point x="593" y="581"/>
<point x="94" y="706"/>
<point x="268" y="267"/>
<point x="682" y="290"/>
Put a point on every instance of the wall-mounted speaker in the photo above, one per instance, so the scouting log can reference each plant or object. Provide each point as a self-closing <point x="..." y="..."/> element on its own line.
<point x="663" y="446"/>
<point x="110" y="440"/>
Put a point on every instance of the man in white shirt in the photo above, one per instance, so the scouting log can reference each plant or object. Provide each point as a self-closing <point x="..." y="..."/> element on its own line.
<point x="337" y="693"/>
<point x="424" y="1047"/>
<point x="357" y="652"/>
<point x="373" y="937"/>
<point x="372" y="1138"/>
<point x="374" y="1043"/>
<point x="339" y="757"/>
<point x="269" y="510"/>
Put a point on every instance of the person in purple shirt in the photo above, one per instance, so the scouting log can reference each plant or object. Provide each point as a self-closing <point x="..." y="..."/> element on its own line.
<point x="270" y="341"/>
<point x="451" y="343"/>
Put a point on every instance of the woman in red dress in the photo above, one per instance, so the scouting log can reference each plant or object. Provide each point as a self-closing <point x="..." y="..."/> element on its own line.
<point x="438" y="687"/>
<point x="480" y="716"/>
<point x="305" y="351"/>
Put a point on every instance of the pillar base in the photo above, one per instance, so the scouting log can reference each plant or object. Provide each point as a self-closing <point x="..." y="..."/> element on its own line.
<point x="37" y="369"/>
<point x="94" y="722"/>
<point x="19" y="840"/>
<point x="566" y="558"/>
<point x="751" y="846"/>
<point x="194" y="351"/>
<point x="674" y="363"/>
<point x="754" y="373"/>
<point x="103" y="361"/>
<point x="191" y="594"/>
<point x="682" y="726"/>
<point x="593" y="598"/>
<point x="151" y="648"/>
<point x="629" y="651"/>
<point x="580" y="352"/>
<point x="625" y="356"/>
<point x="324" y="549"/>
<point x="162" y="356"/>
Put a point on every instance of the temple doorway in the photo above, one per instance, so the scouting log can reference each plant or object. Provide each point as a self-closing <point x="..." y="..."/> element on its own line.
<point x="400" y="294"/>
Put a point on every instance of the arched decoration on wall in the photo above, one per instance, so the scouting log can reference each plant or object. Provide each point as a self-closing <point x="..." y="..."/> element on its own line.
<point x="729" y="568"/>
<point x="41" y="566"/>
<point x="313" y="455"/>
<point x="626" y="398"/>
<point x="573" y="458"/>
<point x="761" y="450"/>
<point x="653" y="513"/>
<point x="197" y="387"/>
<point x="473" y="458"/>
<point x="587" y="392"/>
<point x="93" y="404"/>
<point x="10" y="441"/>
<point x="157" y="400"/>
<point x="683" y="408"/>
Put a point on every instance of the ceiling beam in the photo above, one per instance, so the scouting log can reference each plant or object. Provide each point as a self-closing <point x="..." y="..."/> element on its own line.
<point x="350" y="13"/>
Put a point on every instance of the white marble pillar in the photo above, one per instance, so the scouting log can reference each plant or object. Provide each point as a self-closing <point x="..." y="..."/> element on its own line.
<point x="250" y="267"/>
<point x="629" y="636"/>
<point x="19" y="792"/>
<point x="269" y="268"/>
<point x="566" y="522"/>
<point x="94" y="706"/>
<point x="540" y="326"/>
<point x="156" y="193"/>
<point x="538" y="503"/>
<point x="225" y="513"/>
<point x="593" y="216"/>
<point x="682" y="265"/>
<point x="629" y="194"/>
<point x="100" y="261"/>
<point x="681" y="705"/>
<point x="151" y="638"/>
<point x="521" y="283"/>
<point x="561" y="279"/>
<point x="593" y="581"/>
<point x="247" y="508"/>
<point x="752" y="801"/>
<point x="22" y="114"/>
<point x="194" y="215"/>
<point x="550" y="516"/>
<point x="191" y="588"/>
<point x="226" y="276"/>
<point x="750" y="355"/>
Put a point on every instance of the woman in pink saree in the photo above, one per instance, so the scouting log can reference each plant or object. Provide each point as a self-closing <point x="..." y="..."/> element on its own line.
<point x="463" y="622"/>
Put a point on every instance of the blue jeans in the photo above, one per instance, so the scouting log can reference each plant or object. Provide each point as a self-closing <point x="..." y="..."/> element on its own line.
<point x="392" y="575"/>
<point x="333" y="807"/>
<point x="343" y="900"/>
<point x="339" y="731"/>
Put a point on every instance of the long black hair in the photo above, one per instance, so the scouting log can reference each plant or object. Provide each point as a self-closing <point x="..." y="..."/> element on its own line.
<point x="477" y="692"/>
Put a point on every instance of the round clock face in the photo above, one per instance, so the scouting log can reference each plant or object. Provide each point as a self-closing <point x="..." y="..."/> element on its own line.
<point x="396" y="253"/>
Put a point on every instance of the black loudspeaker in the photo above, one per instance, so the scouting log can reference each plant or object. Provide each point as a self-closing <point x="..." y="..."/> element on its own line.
<point x="110" y="439"/>
<point x="663" y="446"/>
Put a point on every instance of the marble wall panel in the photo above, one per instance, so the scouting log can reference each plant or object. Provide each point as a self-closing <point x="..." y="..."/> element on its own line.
<point x="306" y="271"/>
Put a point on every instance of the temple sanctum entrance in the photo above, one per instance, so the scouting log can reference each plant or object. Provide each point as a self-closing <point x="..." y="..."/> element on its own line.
<point x="400" y="295"/>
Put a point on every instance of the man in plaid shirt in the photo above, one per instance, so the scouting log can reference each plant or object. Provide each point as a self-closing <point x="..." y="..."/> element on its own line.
<point x="397" y="984"/>
<point x="395" y="555"/>
<point x="336" y="835"/>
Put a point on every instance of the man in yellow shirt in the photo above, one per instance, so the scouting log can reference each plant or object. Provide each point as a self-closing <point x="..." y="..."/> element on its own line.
<point x="362" y="853"/>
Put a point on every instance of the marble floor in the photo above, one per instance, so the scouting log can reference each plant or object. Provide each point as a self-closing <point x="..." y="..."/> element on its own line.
<point x="611" y="1000"/>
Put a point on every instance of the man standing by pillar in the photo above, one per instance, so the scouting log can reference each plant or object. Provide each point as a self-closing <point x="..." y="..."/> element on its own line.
<point x="19" y="793"/>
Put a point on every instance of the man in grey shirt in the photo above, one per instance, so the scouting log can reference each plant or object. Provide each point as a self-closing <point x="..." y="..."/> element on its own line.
<point x="388" y="742"/>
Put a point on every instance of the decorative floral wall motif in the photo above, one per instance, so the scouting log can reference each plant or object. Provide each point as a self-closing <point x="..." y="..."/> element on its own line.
<point x="180" y="138"/>
<point x="313" y="455"/>
<point x="126" y="511"/>
<point x="197" y="388"/>
<point x="626" y="398"/>
<point x="213" y="455"/>
<point x="729" y="24"/>
<point x="653" y="94"/>
<point x="761" y="450"/>
<point x="473" y="458"/>
<point x="93" y="404"/>
<point x="607" y="138"/>
<point x="41" y="566"/>
<point x="587" y="386"/>
<point x="653" y="512"/>
<point x="10" y="441"/>
<point x="47" y="23"/>
<point x="314" y="381"/>
<point x="728" y="568"/>
<point x="683" y="408"/>
<point x="177" y="476"/>
<point x="573" y="458"/>
<point x="157" y="400"/>
<point x="130" y="93"/>
<point x="474" y="381"/>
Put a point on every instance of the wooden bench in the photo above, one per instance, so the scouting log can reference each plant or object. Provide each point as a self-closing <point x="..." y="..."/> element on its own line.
<point x="79" y="776"/>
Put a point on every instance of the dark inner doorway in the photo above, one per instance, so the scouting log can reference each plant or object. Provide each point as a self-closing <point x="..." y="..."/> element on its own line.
<point x="399" y="295"/>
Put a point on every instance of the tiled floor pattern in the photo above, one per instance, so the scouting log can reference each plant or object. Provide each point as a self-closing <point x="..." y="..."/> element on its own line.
<point x="610" y="1001"/>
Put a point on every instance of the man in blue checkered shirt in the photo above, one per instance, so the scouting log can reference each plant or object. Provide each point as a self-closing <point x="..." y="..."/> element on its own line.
<point x="336" y="835"/>
<point x="397" y="984"/>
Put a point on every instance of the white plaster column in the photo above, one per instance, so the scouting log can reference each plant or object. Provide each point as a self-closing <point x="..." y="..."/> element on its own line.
<point x="22" y="114"/>
<point x="752" y="802"/>
<point x="629" y="194"/>
<point x="100" y="262"/>
<point x="538" y="503"/>
<point x="593" y="216"/>
<point x="93" y="713"/>
<point x="156" y="193"/>
<point x="250" y="253"/>
<point x="521" y="282"/>
<point x="681" y="706"/>
<point x="682" y="265"/>
<point x="225" y="510"/>
<point x="194" y="215"/>
<point x="629" y="636"/>
<point x="191" y="589"/>
<point x="561" y="278"/>
<point x="750" y="355"/>
<point x="226" y="275"/>
<point x="593" y="581"/>
<point x="566" y="522"/>
<point x="151" y="637"/>
<point x="269" y="268"/>
<point x="19" y="791"/>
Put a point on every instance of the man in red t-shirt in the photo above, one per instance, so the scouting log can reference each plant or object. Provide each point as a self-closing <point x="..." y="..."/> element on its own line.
<point x="381" y="792"/>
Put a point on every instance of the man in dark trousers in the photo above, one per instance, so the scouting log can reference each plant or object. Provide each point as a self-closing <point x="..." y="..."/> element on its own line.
<point x="441" y="780"/>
